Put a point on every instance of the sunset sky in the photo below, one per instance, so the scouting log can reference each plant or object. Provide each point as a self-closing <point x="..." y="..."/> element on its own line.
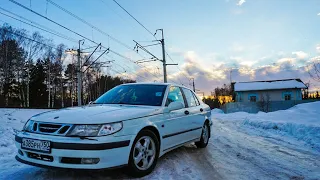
<point x="209" y="39"/>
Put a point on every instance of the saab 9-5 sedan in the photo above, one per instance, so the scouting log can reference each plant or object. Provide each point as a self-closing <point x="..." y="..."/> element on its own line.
<point x="131" y="125"/>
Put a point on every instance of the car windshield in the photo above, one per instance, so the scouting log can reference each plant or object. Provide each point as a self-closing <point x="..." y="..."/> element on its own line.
<point x="134" y="94"/>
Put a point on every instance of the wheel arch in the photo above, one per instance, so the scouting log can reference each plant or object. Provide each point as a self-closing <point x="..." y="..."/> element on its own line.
<point x="155" y="131"/>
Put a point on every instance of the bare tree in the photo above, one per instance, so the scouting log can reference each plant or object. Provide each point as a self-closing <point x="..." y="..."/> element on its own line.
<point x="265" y="102"/>
<point x="314" y="70"/>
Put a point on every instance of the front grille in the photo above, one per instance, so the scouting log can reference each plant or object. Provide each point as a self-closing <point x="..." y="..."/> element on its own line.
<point x="50" y="128"/>
<point x="40" y="157"/>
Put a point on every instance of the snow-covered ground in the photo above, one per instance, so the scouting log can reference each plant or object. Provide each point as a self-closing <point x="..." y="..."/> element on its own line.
<point x="278" y="145"/>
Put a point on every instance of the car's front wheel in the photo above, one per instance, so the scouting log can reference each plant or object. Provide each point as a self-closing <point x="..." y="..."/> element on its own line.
<point x="205" y="135"/>
<point x="144" y="154"/>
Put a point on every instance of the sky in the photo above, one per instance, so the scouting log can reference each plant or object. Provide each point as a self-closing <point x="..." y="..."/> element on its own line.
<point x="213" y="41"/>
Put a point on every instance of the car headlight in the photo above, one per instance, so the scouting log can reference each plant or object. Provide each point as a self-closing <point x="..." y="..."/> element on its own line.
<point x="95" y="130"/>
<point x="28" y="126"/>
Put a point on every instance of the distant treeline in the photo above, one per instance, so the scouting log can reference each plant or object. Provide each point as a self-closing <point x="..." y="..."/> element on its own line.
<point x="33" y="73"/>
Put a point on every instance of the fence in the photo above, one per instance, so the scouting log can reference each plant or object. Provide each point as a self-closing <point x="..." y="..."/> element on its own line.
<point x="253" y="107"/>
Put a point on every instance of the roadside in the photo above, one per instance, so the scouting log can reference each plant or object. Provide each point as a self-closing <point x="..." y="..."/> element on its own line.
<point x="235" y="151"/>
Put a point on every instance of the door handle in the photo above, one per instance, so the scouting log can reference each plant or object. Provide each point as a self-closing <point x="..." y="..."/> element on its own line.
<point x="201" y="110"/>
<point x="186" y="112"/>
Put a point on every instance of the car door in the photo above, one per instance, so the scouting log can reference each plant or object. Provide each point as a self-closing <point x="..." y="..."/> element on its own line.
<point x="195" y="118"/>
<point x="173" y="124"/>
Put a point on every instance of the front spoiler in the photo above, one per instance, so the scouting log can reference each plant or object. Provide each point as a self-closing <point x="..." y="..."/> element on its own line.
<point x="63" y="168"/>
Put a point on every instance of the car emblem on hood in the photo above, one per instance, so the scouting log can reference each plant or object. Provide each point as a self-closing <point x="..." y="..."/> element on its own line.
<point x="56" y="117"/>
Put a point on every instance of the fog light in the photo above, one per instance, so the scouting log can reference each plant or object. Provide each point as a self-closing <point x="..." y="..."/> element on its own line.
<point x="20" y="152"/>
<point x="90" y="160"/>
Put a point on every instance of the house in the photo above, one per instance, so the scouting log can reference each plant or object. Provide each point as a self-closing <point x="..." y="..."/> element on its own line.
<point x="275" y="90"/>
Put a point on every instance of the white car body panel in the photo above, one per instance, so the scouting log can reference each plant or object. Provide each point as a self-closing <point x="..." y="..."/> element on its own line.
<point x="174" y="129"/>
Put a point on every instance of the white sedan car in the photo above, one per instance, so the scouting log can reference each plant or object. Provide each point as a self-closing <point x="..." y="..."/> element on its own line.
<point x="131" y="125"/>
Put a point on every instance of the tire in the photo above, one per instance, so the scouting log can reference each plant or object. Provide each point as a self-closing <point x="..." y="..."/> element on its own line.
<point x="139" y="168"/>
<point x="204" y="140"/>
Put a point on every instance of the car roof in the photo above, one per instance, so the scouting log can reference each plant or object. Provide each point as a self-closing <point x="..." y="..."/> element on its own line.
<point x="157" y="83"/>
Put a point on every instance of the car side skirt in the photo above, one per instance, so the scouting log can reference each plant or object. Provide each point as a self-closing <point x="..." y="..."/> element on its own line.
<point x="179" y="145"/>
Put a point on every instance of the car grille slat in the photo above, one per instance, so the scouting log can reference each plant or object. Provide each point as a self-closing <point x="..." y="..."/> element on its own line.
<point x="51" y="128"/>
<point x="48" y="128"/>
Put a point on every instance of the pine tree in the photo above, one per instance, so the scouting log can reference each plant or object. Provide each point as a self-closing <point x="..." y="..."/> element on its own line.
<point x="38" y="88"/>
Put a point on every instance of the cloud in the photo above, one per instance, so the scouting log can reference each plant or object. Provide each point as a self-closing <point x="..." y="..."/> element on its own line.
<point x="318" y="48"/>
<point x="240" y="2"/>
<point x="300" y="54"/>
<point x="318" y="14"/>
<point x="209" y="74"/>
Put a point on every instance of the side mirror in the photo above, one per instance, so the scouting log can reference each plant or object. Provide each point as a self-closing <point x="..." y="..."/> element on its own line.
<point x="90" y="102"/>
<point x="174" y="106"/>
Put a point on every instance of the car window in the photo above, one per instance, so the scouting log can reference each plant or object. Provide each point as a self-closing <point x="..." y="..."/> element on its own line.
<point x="174" y="94"/>
<point x="197" y="100"/>
<point x="134" y="94"/>
<point x="190" y="97"/>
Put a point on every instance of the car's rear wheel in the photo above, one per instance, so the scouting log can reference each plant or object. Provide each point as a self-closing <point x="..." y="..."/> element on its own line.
<point x="205" y="135"/>
<point x="144" y="154"/>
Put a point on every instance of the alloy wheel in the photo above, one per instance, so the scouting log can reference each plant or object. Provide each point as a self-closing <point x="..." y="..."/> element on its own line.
<point x="144" y="153"/>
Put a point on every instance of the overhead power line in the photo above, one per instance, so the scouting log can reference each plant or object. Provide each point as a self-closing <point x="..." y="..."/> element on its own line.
<point x="99" y="30"/>
<point x="133" y="17"/>
<point x="17" y="3"/>
<point x="89" y="24"/>
<point x="31" y="39"/>
<point x="54" y="33"/>
<point x="153" y="35"/>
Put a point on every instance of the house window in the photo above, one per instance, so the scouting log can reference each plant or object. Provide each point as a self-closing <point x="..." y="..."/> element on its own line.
<point x="253" y="98"/>
<point x="287" y="97"/>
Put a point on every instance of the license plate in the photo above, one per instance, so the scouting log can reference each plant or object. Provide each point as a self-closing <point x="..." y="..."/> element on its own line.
<point x="36" y="145"/>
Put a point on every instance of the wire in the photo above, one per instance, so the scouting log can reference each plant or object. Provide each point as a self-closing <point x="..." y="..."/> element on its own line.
<point x="89" y="24"/>
<point x="56" y="34"/>
<point x="124" y="57"/>
<point x="133" y="17"/>
<point x="145" y="29"/>
<point x="31" y="39"/>
<point x="13" y="1"/>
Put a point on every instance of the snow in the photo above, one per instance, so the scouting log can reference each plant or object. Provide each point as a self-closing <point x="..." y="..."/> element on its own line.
<point x="277" y="145"/>
<point x="301" y="122"/>
<point x="268" y="85"/>
<point x="11" y="120"/>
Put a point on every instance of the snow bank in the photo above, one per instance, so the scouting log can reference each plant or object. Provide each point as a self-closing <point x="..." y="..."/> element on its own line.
<point x="301" y="122"/>
<point x="12" y="120"/>
<point x="217" y="111"/>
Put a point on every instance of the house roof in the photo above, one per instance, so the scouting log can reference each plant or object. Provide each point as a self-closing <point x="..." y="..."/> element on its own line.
<point x="269" y="85"/>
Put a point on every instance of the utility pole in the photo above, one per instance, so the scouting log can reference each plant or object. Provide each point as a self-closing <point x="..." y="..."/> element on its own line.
<point x="154" y="58"/>
<point x="194" y="87"/>
<point x="164" y="63"/>
<point x="79" y="75"/>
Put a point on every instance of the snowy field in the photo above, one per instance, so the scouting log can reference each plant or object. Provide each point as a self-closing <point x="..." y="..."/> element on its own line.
<point x="278" y="145"/>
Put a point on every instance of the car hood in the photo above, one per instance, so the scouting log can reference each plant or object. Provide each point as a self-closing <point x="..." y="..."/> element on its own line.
<point x="96" y="114"/>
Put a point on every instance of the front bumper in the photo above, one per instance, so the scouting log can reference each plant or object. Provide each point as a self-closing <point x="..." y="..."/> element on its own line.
<point x="110" y="150"/>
